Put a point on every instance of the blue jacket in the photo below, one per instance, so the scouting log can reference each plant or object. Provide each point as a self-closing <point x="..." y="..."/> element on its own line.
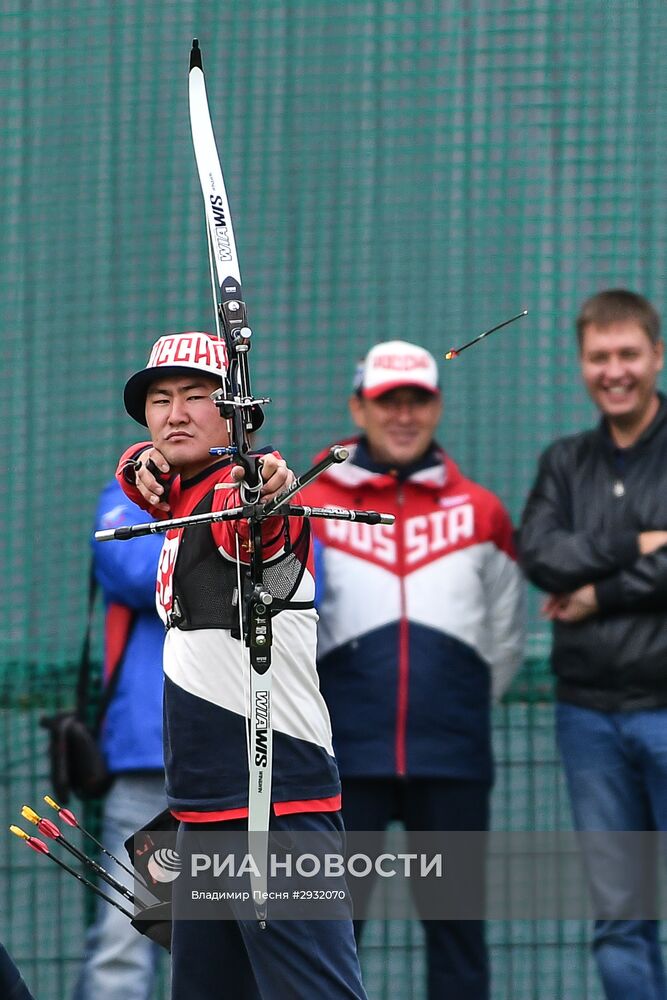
<point x="126" y="572"/>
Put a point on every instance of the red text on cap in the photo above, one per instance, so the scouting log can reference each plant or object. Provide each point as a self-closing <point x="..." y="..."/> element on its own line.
<point x="401" y="363"/>
<point x="196" y="350"/>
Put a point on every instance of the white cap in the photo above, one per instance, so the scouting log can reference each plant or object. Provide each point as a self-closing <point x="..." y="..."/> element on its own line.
<point x="394" y="364"/>
<point x="200" y="352"/>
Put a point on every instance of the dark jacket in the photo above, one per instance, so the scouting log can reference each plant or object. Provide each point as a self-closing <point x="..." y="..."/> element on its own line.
<point x="581" y="525"/>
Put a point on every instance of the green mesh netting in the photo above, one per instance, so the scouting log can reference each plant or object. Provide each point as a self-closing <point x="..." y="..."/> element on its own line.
<point x="416" y="169"/>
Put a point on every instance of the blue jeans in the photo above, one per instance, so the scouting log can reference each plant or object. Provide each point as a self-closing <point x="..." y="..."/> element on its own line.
<point x="119" y="963"/>
<point x="616" y="769"/>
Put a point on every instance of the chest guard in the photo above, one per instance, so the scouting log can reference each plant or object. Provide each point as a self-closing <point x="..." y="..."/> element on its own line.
<point x="205" y="582"/>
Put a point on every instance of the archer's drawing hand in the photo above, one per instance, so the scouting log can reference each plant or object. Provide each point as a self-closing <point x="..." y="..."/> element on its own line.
<point x="151" y="477"/>
<point x="276" y="477"/>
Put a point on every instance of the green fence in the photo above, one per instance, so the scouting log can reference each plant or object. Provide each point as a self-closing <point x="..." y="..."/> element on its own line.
<point x="419" y="169"/>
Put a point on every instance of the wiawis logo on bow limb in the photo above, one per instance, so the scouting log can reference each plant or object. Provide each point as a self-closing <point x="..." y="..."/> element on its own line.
<point x="261" y="729"/>
<point x="221" y="233"/>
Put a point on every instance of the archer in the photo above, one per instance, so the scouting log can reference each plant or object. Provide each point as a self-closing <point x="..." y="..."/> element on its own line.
<point x="201" y="593"/>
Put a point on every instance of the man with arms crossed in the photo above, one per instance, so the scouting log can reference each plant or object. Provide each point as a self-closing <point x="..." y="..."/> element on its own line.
<point x="593" y="537"/>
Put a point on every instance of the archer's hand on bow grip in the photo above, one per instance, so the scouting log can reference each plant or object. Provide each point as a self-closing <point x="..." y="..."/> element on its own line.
<point x="274" y="473"/>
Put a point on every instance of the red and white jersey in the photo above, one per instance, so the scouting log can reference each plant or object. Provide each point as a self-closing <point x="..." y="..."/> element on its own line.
<point x="207" y="669"/>
<point x="419" y="620"/>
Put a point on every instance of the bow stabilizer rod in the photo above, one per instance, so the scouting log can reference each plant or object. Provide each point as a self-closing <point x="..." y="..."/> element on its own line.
<point x="273" y="508"/>
<point x="127" y="531"/>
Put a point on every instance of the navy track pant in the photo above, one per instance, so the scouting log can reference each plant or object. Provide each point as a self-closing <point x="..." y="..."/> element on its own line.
<point x="288" y="960"/>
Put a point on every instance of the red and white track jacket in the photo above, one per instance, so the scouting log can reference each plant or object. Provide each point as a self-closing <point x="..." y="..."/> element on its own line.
<point x="206" y="669"/>
<point x="420" y="621"/>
